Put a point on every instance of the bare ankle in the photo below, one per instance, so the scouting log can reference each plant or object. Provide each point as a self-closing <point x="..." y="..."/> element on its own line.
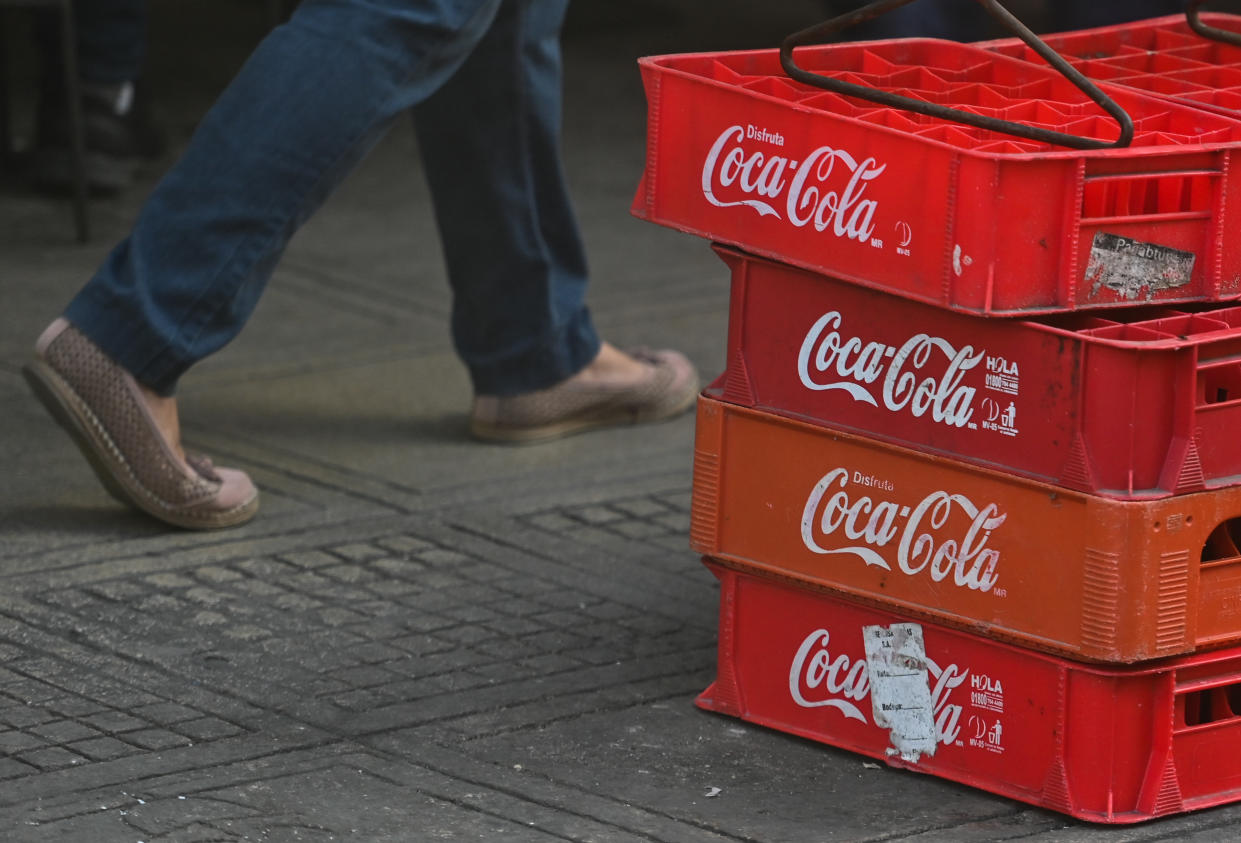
<point x="164" y="412"/>
<point x="612" y="363"/>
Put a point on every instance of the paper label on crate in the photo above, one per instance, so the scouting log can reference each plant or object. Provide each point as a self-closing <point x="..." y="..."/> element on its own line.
<point x="900" y="690"/>
<point x="822" y="676"/>
<point x="1132" y="268"/>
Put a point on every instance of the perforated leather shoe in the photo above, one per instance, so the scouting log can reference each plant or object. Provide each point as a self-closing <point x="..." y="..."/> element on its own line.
<point x="101" y="406"/>
<point x="667" y="388"/>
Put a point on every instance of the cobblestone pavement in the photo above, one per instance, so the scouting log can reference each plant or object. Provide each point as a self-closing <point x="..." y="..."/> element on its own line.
<point x="421" y="637"/>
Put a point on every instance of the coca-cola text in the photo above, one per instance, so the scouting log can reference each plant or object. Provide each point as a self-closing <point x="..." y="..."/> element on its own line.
<point x="825" y="189"/>
<point x="824" y="352"/>
<point x="818" y="678"/>
<point x="919" y="547"/>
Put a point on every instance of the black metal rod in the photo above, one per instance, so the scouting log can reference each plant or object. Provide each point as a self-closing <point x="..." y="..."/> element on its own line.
<point x="73" y="103"/>
<point x="820" y="32"/>
<point x="1212" y="32"/>
<point x="6" y="132"/>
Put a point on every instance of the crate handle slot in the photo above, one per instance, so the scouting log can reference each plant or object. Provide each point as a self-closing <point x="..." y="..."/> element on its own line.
<point x="822" y="31"/>
<point x="1212" y="32"/>
<point x="1224" y="543"/>
<point x="1219" y="382"/>
<point x="1210" y="704"/>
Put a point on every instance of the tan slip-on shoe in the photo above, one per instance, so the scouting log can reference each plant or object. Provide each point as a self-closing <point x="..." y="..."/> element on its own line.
<point x="101" y="407"/>
<point x="669" y="388"/>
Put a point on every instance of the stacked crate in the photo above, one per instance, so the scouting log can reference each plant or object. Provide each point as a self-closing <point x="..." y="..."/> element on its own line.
<point x="971" y="480"/>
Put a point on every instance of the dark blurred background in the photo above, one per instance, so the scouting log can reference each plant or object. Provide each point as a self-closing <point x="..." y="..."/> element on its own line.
<point x="196" y="46"/>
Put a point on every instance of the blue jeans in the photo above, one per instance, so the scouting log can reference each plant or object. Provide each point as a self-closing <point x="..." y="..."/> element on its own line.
<point x="483" y="80"/>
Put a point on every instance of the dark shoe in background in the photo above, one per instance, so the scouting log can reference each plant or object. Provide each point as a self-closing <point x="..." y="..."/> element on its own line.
<point x="119" y="133"/>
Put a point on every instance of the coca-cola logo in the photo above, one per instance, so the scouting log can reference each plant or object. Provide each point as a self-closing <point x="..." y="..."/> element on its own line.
<point x="820" y="679"/>
<point x="894" y="374"/>
<point x="825" y="189"/>
<point x="920" y="547"/>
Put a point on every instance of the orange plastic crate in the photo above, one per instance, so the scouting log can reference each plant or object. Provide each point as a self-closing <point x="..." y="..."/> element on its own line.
<point x="1132" y="403"/>
<point x="1104" y="744"/>
<point x="1062" y="571"/>
<point x="964" y="218"/>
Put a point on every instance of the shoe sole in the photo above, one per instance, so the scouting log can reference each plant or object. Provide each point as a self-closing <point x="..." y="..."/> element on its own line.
<point x="88" y="433"/>
<point x="558" y="430"/>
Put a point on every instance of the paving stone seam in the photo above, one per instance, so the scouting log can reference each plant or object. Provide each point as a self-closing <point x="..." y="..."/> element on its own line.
<point x="390" y="311"/>
<point x="125" y="771"/>
<point x="654" y="481"/>
<point x="552" y="793"/>
<point x="151" y="538"/>
<point x="502" y="495"/>
<point x="224" y="373"/>
<point x="449" y="534"/>
<point x="373" y="299"/>
<point x="657" y="593"/>
<point x="397" y="770"/>
<point x="286" y="703"/>
<point x="175" y="550"/>
<point x="958" y="831"/>
<point x="679" y="687"/>
<point x="291" y="703"/>
<point x="262" y="454"/>
<point x="430" y="710"/>
<point x="163" y="784"/>
<point x="380" y="495"/>
<point x="561" y="708"/>
<point x="269" y="530"/>
<point x="660" y="309"/>
<point x="87" y="655"/>
<point x="591" y="464"/>
<point x="1063" y="828"/>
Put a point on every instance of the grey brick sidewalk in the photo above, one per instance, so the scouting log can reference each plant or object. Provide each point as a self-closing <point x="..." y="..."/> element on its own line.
<point x="421" y="637"/>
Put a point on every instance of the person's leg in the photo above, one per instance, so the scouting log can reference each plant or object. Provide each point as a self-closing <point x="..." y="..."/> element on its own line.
<point x="315" y="96"/>
<point x="490" y="140"/>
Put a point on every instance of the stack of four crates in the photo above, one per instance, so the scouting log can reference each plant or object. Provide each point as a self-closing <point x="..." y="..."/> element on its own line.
<point x="970" y="478"/>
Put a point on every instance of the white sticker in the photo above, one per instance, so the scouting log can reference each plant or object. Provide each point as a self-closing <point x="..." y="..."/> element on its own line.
<point x="900" y="692"/>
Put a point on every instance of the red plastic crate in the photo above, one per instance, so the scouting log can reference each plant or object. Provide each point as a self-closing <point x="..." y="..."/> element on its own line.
<point x="1057" y="570"/>
<point x="1160" y="56"/>
<point x="1109" y="745"/>
<point x="935" y="211"/>
<point x="1140" y="403"/>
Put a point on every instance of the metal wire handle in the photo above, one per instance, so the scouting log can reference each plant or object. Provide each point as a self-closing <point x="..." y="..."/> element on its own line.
<point x="1212" y="32"/>
<point x="820" y="32"/>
